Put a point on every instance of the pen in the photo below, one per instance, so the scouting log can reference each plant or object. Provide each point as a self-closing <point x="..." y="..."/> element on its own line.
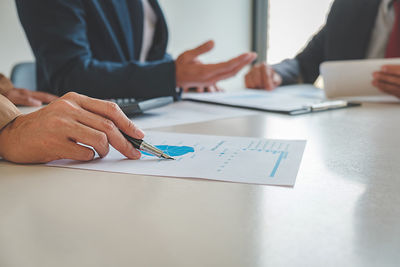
<point x="329" y="105"/>
<point x="145" y="147"/>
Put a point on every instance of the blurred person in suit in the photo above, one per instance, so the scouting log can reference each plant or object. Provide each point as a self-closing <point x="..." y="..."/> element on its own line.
<point x="114" y="49"/>
<point x="355" y="29"/>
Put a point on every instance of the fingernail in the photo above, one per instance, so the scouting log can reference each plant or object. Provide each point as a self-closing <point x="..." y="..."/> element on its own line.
<point x="136" y="154"/>
<point x="249" y="57"/>
<point x="139" y="132"/>
<point x="384" y="68"/>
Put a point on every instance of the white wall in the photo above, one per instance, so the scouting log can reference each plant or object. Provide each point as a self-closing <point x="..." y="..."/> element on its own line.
<point x="13" y="45"/>
<point x="292" y="24"/>
<point x="191" y="22"/>
<point x="227" y="22"/>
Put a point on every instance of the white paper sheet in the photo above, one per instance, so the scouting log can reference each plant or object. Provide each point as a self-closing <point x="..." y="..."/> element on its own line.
<point x="353" y="78"/>
<point x="186" y="112"/>
<point x="285" y="98"/>
<point x="233" y="159"/>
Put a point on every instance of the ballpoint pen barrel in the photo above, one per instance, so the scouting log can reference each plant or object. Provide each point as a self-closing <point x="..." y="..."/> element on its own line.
<point x="154" y="151"/>
<point x="145" y="147"/>
<point x="151" y="150"/>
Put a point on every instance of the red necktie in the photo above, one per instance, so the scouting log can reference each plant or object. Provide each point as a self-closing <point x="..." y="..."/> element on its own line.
<point x="393" y="47"/>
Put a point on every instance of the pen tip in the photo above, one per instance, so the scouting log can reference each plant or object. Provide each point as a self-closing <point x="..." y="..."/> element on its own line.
<point x="165" y="156"/>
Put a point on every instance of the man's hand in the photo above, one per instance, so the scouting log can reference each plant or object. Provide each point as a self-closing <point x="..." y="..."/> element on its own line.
<point x="191" y="73"/>
<point x="58" y="130"/>
<point x="388" y="80"/>
<point x="24" y="97"/>
<point x="262" y="76"/>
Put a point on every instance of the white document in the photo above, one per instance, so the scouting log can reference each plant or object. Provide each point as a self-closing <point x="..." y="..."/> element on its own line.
<point x="232" y="159"/>
<point x="282" y="99"/>
<point x="352" y="79"/>
<point x="186" y="112"/>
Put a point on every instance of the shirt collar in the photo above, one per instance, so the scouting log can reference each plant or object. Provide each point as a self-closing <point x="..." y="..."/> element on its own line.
<point x="387" y="5"/>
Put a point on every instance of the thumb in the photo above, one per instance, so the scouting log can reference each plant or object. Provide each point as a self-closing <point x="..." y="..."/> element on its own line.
<point x="204" y="48"/>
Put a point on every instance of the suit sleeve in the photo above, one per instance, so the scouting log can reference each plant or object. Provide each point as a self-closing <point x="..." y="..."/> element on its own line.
<point x="289" y="70"/>
<point x="304" y="68"/>
<point x="56" y="30"/>
<point x="311" y="57"/>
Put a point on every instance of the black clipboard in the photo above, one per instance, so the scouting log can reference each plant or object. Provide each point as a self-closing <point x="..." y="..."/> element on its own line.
<point x="318" y="107"/>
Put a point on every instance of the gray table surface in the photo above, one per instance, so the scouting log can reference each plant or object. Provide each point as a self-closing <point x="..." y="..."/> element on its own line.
<point x="343" y="211"/>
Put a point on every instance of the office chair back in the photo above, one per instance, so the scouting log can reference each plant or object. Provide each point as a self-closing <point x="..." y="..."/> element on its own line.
<point x="23" y="75"/>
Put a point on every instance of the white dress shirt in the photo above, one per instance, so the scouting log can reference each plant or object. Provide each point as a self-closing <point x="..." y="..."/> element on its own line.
<point x="149" y="28"/>
<point x="382" y="30"/>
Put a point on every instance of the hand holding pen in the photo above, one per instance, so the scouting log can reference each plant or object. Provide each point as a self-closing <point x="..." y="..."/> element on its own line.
<point x="145" y="147"/>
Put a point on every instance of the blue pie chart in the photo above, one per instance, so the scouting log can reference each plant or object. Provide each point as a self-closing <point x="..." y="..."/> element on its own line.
<point x="173" y="151"/>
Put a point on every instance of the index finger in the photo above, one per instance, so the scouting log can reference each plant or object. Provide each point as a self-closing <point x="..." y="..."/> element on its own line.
<point x="232" y="71"/>
<point x="112" y="112"/>
<point x="204" y="48"/>
<point x="244" y="59"/>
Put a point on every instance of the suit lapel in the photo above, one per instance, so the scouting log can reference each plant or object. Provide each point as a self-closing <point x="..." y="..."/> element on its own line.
<point x="160" y="41"/>
<point x="367" y="19"/>
<point x="130" y="15"/>
<point x="349" y="28"/>
<point x="138" y="22"/>
<point x="100" y="8"/>
<point x="131" y="19"/>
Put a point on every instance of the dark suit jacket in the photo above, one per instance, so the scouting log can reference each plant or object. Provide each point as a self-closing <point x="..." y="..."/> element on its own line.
<point x="93" y="47"/>
<point x="345" y="36"/>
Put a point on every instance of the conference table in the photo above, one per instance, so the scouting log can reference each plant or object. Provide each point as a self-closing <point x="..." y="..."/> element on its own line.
<point x="344" y="209"/>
